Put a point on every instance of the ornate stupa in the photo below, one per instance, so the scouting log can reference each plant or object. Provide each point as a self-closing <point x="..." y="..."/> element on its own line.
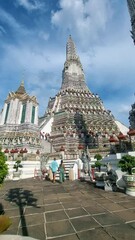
<point x="77" y="117"/>
<point x="19" y="131"/>
<point x="131" y="7"/>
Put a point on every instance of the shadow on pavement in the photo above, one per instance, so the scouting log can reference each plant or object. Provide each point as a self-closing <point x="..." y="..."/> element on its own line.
<point x="21" y="198"/>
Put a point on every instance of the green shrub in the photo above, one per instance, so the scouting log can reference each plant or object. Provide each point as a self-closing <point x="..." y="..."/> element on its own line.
<point x="98" y="156"/>
<point x="98" y="165"/>
<point x="3" y="167"/>
<point x="127" y="163"/>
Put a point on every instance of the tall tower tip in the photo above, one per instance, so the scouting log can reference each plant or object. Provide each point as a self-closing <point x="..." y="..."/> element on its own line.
<point x="21" y="89"/>
<point x="70" y="48"/>
<point x="22" y="83"/>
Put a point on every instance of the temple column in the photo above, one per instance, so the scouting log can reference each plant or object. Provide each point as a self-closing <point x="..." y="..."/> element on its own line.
<point x="3" y="115"/>
<point x="36" y="115"/>
<point x="11" y="118"/>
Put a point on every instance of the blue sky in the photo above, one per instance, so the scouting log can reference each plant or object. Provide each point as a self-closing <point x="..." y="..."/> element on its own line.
<point x="33" y="36"/>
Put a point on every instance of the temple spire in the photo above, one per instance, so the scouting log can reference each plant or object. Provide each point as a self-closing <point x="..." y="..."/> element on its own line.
<point x="70" y="49"/>
<point x="73" y="74"/>
<point x="21" y="89"/>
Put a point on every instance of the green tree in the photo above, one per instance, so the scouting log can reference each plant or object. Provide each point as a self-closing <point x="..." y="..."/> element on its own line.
<point x="127" y="163"/>
<point x="3" y="166"/>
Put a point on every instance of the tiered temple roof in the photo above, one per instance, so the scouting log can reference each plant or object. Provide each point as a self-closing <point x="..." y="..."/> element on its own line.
<point x="21" y="95"/>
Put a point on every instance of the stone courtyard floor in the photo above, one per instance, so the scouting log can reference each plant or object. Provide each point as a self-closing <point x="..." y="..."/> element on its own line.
<point x="69" y="211"/>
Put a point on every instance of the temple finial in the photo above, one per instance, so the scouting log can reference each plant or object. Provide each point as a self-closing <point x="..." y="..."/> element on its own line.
<point x="21" y="89"/>
<point x="70" y="49"/>
<point x="22" y="83"/>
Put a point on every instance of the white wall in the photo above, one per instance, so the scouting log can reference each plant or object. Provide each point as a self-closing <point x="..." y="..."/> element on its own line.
<point x="27" y="171"/>
<point x="47" y="127"/>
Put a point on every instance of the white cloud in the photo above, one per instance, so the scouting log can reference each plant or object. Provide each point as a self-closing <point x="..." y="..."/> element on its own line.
<point x="44" y="35"/>
<point x="120" y="109"/>
<point x="124" y="109"/>
<point x="30" y="5"/>
<point x="86" y="19"/>
<point x="21" y="33"/>
<point x="6" y="17"/>
<point x="39" y="64"/>
<point x="2" y="30"/>
<point x="115" y="61"/>
<point x="37" y="67"/>
<point x="12" y="22"/>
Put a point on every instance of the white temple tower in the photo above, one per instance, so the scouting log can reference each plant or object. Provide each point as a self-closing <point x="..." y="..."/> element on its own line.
<point x="19" y="122"/>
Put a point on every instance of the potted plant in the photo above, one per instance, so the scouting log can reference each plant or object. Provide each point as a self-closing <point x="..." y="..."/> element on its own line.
<point x="98" y="164"/>
<point x="17" y="172"/>
<point x="99" y="175"/>
<point x="127" y="164"/>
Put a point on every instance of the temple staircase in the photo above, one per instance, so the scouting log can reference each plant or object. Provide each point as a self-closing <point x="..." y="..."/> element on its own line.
<point x="68" y="166"/>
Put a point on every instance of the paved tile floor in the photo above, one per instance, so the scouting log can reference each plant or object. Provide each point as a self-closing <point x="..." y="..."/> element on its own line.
<point x="69" y="211"/>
